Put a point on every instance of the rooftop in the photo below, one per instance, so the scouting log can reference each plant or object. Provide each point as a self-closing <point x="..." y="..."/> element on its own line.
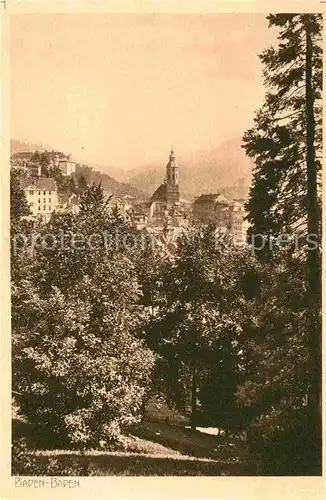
<point x="160" y="193"/>
<point x="217" y="197"/>
<point x="41" y="183"/>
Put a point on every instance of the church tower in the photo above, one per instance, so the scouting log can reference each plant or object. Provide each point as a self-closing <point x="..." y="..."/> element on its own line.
<point x="172" y="179"/>
<point x="172" y="175"/>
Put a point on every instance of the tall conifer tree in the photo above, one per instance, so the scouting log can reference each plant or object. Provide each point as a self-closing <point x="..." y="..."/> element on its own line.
<point x="286" y="143"/>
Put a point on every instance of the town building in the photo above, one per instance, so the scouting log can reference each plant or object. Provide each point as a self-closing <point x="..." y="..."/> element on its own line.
<point x="124" y="204"/>
<point x="138" y="219"/>
<point x="41" y="195"/>
<point x="68" y="203"/>
<point x="211" y="208"/>
<point x="227" y="215"/>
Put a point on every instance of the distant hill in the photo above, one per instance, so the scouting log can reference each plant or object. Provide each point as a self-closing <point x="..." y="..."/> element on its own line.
<point x="17" y="146"/>
<point x="224" y="169"/>
<point x="90" y="171"/>
<point x="116" y="173"/>
<point x="110" y="185"/>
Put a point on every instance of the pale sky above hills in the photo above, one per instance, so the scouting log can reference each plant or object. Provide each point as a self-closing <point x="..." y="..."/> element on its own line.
<point x="120" y="89"/>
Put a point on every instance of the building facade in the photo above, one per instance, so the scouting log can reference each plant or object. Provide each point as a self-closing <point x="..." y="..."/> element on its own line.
<point x="211" y="208"/>
<point x="66" y="165"/>
<point x="41" y="195"/>
<point x="227" y="215"/>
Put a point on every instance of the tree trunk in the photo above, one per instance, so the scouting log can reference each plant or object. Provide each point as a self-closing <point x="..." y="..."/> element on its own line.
<point x="193" y="396"/>
<point x="313" y="258"/>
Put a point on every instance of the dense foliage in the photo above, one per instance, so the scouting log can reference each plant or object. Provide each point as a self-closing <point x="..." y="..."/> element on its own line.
<point x="79" y="368"/>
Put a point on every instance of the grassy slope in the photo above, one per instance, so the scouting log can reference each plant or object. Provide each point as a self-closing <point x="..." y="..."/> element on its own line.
<point x="150" y="449"/>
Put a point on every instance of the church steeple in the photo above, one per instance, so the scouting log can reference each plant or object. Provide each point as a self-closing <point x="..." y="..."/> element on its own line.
<point x="172" y="175"/>
<point x="168" y="193"/>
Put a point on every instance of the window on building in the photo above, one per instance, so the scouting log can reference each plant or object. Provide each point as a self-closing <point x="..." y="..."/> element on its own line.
<point x="39" y="207"/>
<point x="49" y="200"/>
<point x="44" y="208"/>
<point x="39" y="200"/>
<point x="31" y="204"/>
<point x="31" y="192"/>
<point x="49" y="208"/>
<point x="44" y="200"/>
<point x="39" y="192"/>
<point x="49" y="192"/>
<point x="44" y="192"/>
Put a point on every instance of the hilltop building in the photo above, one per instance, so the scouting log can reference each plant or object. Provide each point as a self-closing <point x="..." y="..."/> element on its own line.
<point x="66" y="166"/>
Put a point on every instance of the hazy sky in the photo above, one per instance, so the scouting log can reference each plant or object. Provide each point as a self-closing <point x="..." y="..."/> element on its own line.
<point x="120" y="89"/>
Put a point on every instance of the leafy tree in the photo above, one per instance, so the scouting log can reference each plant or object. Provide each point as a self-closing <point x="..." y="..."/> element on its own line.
<point x="79" y="364"/>
<point x="79" y="369"/>
<point x="45" y="158"/>
<point x="194" y="329"/>
<point x="57" y="175"/>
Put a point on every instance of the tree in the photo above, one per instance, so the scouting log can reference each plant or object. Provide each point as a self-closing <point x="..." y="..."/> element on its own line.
<point x="94" y="198"/>
<point x="285" y="134"/>
<point x="194" y="329"/>
<point x="35" y="158"/>
<point x="79" y="364"/>
<point x="278" y="376"/>
<point x="18" y="203"/>
<point x="72" y="185"/>
<point x="20" y="229"/>
<point x="45" y="161"/>
<point x="286" y="144"/>
<point x="82" y="184"/>
<point x="79" y="369"/>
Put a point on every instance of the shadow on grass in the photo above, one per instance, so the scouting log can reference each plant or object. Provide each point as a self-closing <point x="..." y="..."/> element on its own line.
<point x="227" y="451"/>
<point x="115" y="465"/>
<point x="224" y="457"/>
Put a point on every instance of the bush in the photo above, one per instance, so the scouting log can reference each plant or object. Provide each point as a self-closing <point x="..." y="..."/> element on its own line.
<point x="291" y="450"/>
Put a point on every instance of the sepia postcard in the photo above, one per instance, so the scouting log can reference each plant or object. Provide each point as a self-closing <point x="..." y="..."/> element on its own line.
<point x="161" y="249"/>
